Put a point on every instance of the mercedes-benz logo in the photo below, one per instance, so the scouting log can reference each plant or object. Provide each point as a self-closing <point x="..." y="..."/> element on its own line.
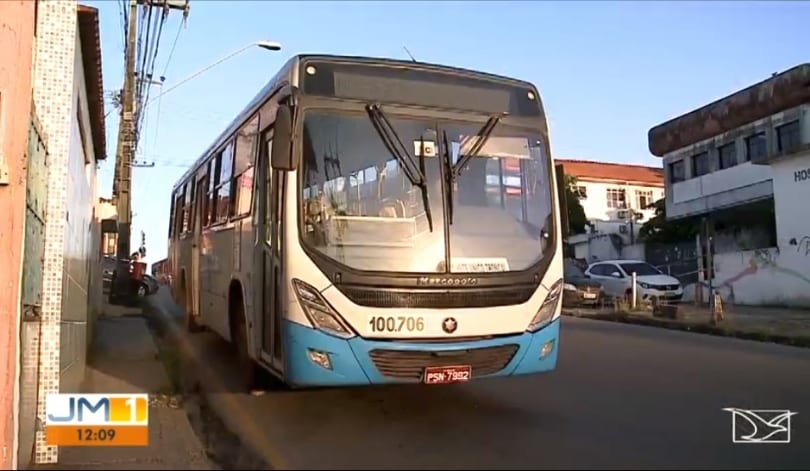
<point x="449" y="325"/>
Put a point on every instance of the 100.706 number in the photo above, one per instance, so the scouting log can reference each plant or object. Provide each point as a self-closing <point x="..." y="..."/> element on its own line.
<point x="396" y="324"/>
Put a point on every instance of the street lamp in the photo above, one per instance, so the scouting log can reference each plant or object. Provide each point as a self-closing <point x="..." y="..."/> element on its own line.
<point x="267" y="45"/>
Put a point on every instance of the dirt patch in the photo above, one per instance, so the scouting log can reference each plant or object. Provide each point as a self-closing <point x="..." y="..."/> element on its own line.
<point x="222" y="447"/>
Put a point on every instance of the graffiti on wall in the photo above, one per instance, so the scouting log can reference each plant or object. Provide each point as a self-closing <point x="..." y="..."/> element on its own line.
<point x="761" y="260"/>
<point x="802" y="245"/>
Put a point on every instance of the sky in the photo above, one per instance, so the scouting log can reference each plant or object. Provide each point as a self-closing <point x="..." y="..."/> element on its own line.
<point x="607" y="71"/>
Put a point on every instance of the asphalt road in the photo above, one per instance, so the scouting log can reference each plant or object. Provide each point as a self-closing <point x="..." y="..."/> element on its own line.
<point x="623" y="396"/>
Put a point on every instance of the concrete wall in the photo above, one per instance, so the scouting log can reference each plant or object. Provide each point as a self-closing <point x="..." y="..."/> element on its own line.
<point x="54" y="99"/>
<point x="778" y="276"/>
<point x="601" y="247"/>
<point x="745" y="182"/>
<point x="16" y="37"/>
<point x="791" y="184"/>
<point x="723" y="188"/>
<point x="766" y="277"/>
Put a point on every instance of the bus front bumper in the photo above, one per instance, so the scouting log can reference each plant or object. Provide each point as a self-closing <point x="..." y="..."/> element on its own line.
<point x="314" y="358"/>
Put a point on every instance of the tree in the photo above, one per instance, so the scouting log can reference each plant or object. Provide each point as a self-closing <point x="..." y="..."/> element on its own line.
<point x="658" y="230"/>
<point x="576" y="214"/>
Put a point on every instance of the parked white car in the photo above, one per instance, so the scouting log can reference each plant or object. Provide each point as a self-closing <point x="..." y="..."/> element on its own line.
<point x="616" y="277"/>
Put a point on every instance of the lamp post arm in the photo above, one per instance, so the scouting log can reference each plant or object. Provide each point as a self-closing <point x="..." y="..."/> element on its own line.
<point x="197" y="73"/>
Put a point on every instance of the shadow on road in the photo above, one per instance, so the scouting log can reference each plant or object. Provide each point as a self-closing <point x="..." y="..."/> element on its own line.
<point x="622" y="396"/>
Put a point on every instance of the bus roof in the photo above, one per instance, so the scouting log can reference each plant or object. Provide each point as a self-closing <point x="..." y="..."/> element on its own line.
<point x="288" y="74"/>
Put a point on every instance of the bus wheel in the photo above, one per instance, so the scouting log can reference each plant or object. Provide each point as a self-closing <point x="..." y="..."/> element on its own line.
<point x="189" y="319"/>
<point x="248" y="371"/>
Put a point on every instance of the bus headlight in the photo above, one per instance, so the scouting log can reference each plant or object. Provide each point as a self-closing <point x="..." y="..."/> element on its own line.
<point x="319" y="312"/>
<point x="548" y="308"/>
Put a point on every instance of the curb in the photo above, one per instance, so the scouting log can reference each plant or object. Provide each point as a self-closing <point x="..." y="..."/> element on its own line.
<point x="801" y="341"/>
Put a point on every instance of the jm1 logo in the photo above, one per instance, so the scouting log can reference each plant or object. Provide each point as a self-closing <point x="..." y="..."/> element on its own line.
<point x="97" y="409"/>
<point x="760" y="426"/>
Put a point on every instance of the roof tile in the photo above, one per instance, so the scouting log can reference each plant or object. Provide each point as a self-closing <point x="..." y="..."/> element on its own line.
<point x="608" y="171"/>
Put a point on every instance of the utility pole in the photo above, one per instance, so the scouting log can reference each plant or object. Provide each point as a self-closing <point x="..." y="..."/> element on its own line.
<point x="127" y="139"/>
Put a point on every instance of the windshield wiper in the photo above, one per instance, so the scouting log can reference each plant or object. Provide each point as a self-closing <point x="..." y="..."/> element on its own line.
<point x="447" y="174"/>
<point x="483" y="136"/>
<point x="415" y="174"/>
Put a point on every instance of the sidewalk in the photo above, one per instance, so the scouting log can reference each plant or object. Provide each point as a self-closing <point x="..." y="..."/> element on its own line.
<point x="124" y="359"/>
<point x="768" y="324"/>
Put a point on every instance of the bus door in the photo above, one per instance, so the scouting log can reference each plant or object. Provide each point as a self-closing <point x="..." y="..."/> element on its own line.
<point x="269" y="245"/>
<point x="196" y="241"/>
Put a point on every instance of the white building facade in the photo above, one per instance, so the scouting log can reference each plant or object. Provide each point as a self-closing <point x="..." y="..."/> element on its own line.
<point x="743" y="162"/>
<point x="616" y="199"/>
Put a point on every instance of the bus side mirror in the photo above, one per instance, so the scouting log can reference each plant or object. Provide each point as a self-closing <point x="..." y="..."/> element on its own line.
<point x="281" y="155"/>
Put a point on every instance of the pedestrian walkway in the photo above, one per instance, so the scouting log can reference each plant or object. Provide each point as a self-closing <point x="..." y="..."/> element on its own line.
<point x="774" y="324"/>
<point x="125" y="359"/>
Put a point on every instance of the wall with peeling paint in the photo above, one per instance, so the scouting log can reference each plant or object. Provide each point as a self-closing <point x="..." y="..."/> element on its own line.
<point x="16" y="58"/>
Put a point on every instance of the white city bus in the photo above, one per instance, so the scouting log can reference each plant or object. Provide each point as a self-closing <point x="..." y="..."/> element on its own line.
<point x="368" y="221"/>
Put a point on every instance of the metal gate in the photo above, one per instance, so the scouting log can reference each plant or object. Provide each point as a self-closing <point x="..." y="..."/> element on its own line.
<point x="33" y="249"/>
<point x="678" y="259"/>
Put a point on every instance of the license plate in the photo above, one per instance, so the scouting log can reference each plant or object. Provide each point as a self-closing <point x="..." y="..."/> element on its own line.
<point x="447" y="374"/>
<point x="589" y="295"/>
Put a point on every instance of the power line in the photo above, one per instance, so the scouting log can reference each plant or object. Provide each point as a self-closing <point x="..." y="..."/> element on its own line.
<point x="137" y="83"/>
<point x="163" y="76"/>
<point x="174" y="45"/>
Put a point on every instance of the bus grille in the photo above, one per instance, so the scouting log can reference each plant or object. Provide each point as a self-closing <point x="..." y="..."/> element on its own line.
<point x="411" y="364"/>
<point x="439" y="299"/>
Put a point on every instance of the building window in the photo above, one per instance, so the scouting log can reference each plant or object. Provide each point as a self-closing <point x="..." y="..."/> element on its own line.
<point x="616" y="199"/>
<point x="644" y="198"/>
<point x="700" y="164"/>
<point x="677" y="172"/>
<point x="756" y="146"/>
<point x="789" y="136"/>
<point x="581" y="192"/>
<point x="727" y="155"/>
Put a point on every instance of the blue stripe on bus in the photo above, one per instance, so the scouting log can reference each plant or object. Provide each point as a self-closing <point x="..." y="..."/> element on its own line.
<point x="352" y="365"/>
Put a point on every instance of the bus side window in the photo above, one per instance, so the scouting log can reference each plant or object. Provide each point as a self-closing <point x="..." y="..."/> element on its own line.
<point x="186" y="208"/>
<point x="171" y="218"/>
<point x="242" y="184"/>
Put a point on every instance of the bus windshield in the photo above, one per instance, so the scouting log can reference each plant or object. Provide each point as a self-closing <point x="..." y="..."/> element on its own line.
<point x="360" y="209"/>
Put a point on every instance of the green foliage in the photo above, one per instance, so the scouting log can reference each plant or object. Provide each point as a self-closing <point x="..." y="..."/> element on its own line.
<point x="577" y="222"/>
<point x="659" y="230"/>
